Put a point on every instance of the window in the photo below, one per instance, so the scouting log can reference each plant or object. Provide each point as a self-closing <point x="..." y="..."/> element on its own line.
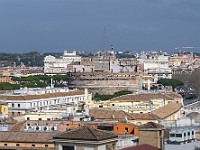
<point x="39" y="118"/>
<point x="5" y="144"/>
<point x="48" y="119"/>
<point x="18" y="105"/>
<point x="172" y="135"/>
<point x="28" y="118"/>
<point x="126" y="130"/>
<point x="13" y="113"/>
<point x="178" y="135"/>
<point x="46" y="145"/>
<point x="33" y="145"/>
<point x="52" y="128"/>
<point x="18" y="113"/>
<point x="13" y="105"/>
<point x="68" y="148"/>
<point x="17" y="144"/>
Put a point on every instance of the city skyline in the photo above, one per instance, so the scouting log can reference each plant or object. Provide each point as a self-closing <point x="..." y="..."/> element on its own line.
<point x="53" y="26"/>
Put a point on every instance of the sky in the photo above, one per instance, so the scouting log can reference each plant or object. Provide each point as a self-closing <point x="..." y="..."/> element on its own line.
<point x="93" y="25"/>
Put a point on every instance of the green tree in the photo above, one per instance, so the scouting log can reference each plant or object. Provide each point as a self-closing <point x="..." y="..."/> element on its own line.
<point x="170" y="82"/>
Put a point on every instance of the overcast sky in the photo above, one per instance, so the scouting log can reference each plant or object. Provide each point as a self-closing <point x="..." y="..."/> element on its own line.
<point x="92" y="25"/>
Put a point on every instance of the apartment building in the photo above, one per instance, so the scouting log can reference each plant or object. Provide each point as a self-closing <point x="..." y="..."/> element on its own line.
<point x="37" y="99"/>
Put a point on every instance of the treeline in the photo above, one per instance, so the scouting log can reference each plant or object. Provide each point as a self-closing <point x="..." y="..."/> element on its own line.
<point x="35" y="81"/>
<point x="31" y="59"/>
<point x="99" y="97"/>
<point x="8" y="86"/>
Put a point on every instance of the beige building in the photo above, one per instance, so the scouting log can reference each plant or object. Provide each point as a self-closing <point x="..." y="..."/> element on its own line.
<point x="26" y="140"/>
<point x="165" y="115"/>
<point x="139" y="103"/>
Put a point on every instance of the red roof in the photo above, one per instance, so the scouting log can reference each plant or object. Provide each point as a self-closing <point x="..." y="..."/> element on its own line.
<point x="141" y="147"/>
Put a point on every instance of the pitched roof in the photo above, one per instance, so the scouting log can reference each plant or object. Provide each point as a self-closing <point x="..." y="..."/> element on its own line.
<point x="39" y="137"/>
<point x="18" y="126"/>
<point x="141" y="147"/>
<point x="142" y="97"/>
<point x="41" y="96"/>
<point x="110" y="114"/>
<point x="86" y="133"/>
<point x="167" y="110"/>
<point x="152" y="125"/>
<point x="145" y="116"/>
<point x="174" y="95"/>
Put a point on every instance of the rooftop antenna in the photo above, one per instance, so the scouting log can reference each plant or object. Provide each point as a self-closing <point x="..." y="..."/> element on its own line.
<point x="104" y="39"/>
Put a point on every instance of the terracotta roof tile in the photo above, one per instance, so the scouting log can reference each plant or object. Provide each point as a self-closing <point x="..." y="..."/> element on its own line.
<point x="41" y="96"/>
<point x="145" y="116"/>
<point x="169" y="109"/>
<point x="86" y="133"/>
<point x="141" y="147"/>
<point x="18" y="126"/>
<point x="151" y="125"/>
<point x="110" y="114"/>
<point x="25" y="136"/>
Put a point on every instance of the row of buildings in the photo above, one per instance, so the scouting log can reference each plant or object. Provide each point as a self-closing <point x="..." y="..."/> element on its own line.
<point x="157" y="65"/>
<point x="106" y="61"/>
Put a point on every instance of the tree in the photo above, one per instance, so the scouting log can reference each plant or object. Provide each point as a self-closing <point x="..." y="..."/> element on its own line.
<point x="170" y="82"/>
<point x="191" y="80"/>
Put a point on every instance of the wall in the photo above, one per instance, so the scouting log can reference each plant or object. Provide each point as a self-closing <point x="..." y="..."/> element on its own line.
<point x="26" y="145"/>
<point x="120" y="128"/>
<point x="151" y="137"/>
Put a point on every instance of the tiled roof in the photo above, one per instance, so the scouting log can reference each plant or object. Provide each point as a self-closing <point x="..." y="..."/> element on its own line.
<point x="110" y="114"/>
<point x="152" y="125"/>
<point x="145" y="116"/>
<point x="174" y="95"/>
<point x="141" y="147"/>
<point x="41" y="96"/>
<point x="142" y="97"/>
<point x="120" y="114"/>
<point x="18" y="126"/>
<point x="169" y="109"/>
<point x="86" y="133"/>
<point x="32" y="137"/>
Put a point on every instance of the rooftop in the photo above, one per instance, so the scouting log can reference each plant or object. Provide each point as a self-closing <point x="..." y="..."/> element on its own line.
<point x="167" y="110"/>
<point x="141" y="147"/>
<point x="151" y="125"/>
<point x="86" y="133"/>
<point x="108" y="114"/>
<point x="145" y="97"/>
<point x="41" y="96"/>
<point x="39" y="137"/>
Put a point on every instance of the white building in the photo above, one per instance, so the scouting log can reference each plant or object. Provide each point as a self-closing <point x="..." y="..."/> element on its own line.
<point x="32" y="100"/>
<point x="53" y="65"/>
<point x="156" y="66"/>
